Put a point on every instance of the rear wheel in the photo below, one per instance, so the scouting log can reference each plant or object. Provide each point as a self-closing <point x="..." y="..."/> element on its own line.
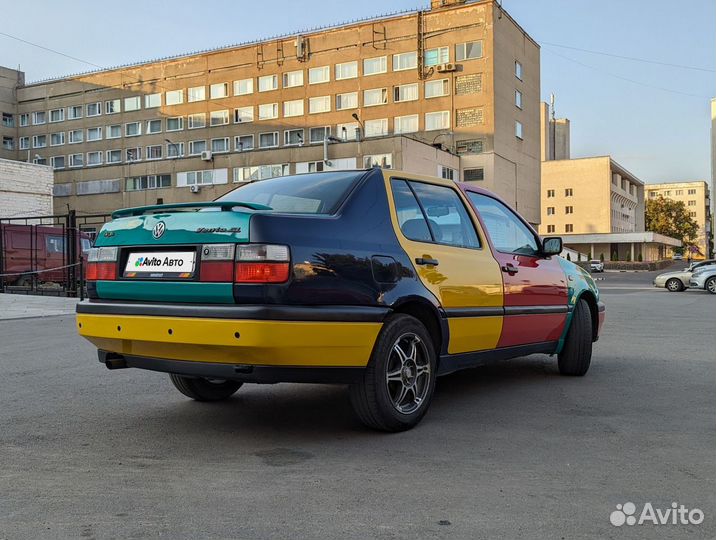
<point x="398" y="384"/>
<point x="674" y="285"/>
<point x="202" y="389"/>
<point x="711" y="285"/>
<point x="576" y="355"/>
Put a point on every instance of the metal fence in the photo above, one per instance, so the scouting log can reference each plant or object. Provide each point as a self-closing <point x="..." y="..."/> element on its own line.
<point x="44" y="254"/>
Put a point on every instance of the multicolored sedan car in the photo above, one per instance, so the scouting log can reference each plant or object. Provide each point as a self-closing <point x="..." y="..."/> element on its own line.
<point x="378" y="279"/>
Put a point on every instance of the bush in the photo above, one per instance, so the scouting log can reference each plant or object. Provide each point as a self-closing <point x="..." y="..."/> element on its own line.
<point x="615" y="256"/>
<point x="601" y="257"/>
<point x="640" y="258"/>
<point x="628" y="257"/>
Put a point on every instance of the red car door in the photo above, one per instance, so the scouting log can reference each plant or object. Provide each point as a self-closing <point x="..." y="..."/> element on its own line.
<point x="535" y="286"/>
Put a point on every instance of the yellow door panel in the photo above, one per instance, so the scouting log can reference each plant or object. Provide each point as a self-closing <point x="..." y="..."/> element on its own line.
<point x="473" y="333"/>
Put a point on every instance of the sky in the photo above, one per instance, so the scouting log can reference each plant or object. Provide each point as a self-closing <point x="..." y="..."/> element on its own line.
<point x="654" y="119"/>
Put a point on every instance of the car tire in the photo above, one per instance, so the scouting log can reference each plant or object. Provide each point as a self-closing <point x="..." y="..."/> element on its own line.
<point x="397" y="386"/>
<point x="674" y="285"/>
<point x="576" y="355"/>
<point x="202" y="389"/>
<point x="710" y="285"/>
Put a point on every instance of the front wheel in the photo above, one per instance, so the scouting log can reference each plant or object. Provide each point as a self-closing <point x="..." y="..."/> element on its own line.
<point x="711" y="285"/>
<point x="674" y="285"/>
<point x="398" y="384"/>
<point x="576" y="355"/>
<point x="202" y="389"/>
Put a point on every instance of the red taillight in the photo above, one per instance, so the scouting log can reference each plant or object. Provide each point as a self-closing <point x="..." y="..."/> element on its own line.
<point x="217" y="271"/>
<point x="104" y="271"/>
<point x="262" y="272"/>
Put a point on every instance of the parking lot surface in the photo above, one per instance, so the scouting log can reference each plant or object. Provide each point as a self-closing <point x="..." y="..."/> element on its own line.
<point x="511" y="450"/>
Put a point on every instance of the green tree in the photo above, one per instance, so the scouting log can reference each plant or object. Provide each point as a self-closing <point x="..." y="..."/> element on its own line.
<point x="671" y="218"/>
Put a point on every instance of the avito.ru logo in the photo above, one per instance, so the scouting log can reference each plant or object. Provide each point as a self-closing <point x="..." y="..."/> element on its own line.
<point x="676" y="515"/>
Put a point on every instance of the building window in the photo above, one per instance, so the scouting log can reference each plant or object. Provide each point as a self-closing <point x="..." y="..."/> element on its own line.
<point x="24" y="143"/>
<point x="243" y="115"/>
<point x="57" y="139"/>
<point x="39" y="118"/>
<point x="219" y="118"/>
<point x="175" y="150"/>
<point x="470" y="146"/>
<point x="94" y="109"/>
<point x="113" y="132"/>
<point x="152" y="101"/>
<point x="692" y="214"/>
<point x="113" y="156"/>
<point x="268" y="83"/>
<point x="154" y="181"/>
<point x="206" y="177"/>
<point x="293" y="79"/>
<point x="56" y="115"/>
<point x="196" y="93"/>
<point x="374" y="66"/>
<point x="438" y="55"/>
<point x="347" y="132"/>
<point x="132" y="104"/>
<point x="550" y="229"/>
<point x="132" y="129"/>
<point x="154" y="152"/>
<point x="550" y="193"/>
<point x="518" y="129"/>
<point x="243" y="143"/>
<point x="74" y="112"/>
<point x="154" y="126"/>
<point x="569" y="228"/>
<point x="569" y="210"/>
<point x="405" y="92"/>
<point x="94" y="134"/>
<point x="268" y="140"/>
<point x="447" y="173"/>
<point x="473" y="116"/>
<point x="376" y="128"/>
<point x="293" y="108"/>
<point x="24" y="120"/>
<point x="375" y="96"/>
<point x="220" y="145"/>
<point x="219" y="90"/>
<point x="260" y="172"/>
<point x="568" y="192"/>
<point x="292" y="137"/>
<point x="347" y="70"/>
<point x="112" y="106"/>
<point x="76" y="136"/>
<point x="57" y="162"/>
<point x="196" y="147"/>
<point x="476" y="174"/>
<point x="39" y="160"/>
<point x="175" y="123"/>
<point x="550" y="210"/>
<point x="437" y="120"/>
<point x="347" y="101"/>
<point x="518" y="70"/>
<point x="243" y="87"/>
<point x="384" y="161"/>
<point x="174" y="97"/>
<point x="692" y="192"/>
<point x="268" y="111"/>
<point x="133" y="154"/>
<point x="692" y="203"/>
<point x="403" y="61"/>
<point x="518" y="99"/>
<point x="197" y="121"/>
<point x="678" y="191"/>
<point x="437" y="88"/>
<point x="319" y="75"/>
<point x="319" y="104"/>
<point x="77" y="160"/>
<point x="468" y="51"/>
<point x="94" y="158"/>
<point x="8" y="143"/>
<point x="317" y="134"/>
<point x="405" y="124"/>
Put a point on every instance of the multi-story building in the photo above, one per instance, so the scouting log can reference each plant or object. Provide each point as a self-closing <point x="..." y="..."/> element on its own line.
<point x="452" y="91"/>
<point x="697" y="200"/>
<point x="10" y="80"/>
<point x="556" y="136"/>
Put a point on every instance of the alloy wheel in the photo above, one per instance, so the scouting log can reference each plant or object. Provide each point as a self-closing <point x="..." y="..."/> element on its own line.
<point x="408" y="373"/>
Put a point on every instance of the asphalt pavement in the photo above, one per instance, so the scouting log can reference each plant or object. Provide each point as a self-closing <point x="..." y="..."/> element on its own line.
<point x="507" y="451"/>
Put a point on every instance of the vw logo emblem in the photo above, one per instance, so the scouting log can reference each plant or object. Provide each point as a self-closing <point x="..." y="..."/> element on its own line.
<point x="158" y="230"/>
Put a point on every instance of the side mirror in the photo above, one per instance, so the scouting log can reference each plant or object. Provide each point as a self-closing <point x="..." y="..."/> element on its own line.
<point x="552" y="245"/>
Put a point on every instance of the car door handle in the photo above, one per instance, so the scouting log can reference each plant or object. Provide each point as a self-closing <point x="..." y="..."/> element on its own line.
<point x="509" y="268"/>
<point x="426" y="261"/>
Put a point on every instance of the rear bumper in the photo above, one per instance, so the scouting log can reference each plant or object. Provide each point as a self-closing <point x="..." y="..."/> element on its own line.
<point x="232" y="336"/>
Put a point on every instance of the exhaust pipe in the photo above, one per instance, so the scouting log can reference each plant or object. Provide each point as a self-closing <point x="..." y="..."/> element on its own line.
<point x="112" y="360"/>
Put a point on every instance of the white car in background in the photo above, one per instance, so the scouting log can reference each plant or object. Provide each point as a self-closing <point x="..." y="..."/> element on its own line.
<point x="596" y="266"/>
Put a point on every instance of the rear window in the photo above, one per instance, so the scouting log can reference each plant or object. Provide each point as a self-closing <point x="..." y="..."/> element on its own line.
<point x="301" y="194"/>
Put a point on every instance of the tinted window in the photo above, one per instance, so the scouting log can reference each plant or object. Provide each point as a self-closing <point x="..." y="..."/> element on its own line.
<point x="410" y="218"/>
<point x="55" y="244"/>
<point x="507" y="231"/>
<point x="304" y="194"/>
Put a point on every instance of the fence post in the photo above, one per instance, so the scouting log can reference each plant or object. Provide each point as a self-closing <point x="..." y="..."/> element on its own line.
<point x="72" y="252"/>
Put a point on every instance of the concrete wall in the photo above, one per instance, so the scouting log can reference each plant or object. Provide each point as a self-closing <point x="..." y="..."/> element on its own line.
<point x="25" y="189"/>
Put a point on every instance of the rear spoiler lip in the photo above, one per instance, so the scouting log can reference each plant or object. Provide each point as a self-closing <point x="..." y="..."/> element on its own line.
<point x="224" y="205"/>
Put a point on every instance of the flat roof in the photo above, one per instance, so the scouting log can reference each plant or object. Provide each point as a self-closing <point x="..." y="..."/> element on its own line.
<point x="648" y="237"/>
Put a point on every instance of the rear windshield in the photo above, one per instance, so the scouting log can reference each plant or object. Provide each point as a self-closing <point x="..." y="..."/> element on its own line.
<point x="319" y="193"/>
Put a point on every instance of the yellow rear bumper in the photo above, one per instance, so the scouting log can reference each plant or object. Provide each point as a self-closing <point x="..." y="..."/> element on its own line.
<point x="254" y="342"/>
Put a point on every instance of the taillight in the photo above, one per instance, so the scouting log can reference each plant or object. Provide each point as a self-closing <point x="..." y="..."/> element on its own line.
<point x="262" y="263"/>
<point x="217" y="263"/>
<point x="102" y="264"/>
